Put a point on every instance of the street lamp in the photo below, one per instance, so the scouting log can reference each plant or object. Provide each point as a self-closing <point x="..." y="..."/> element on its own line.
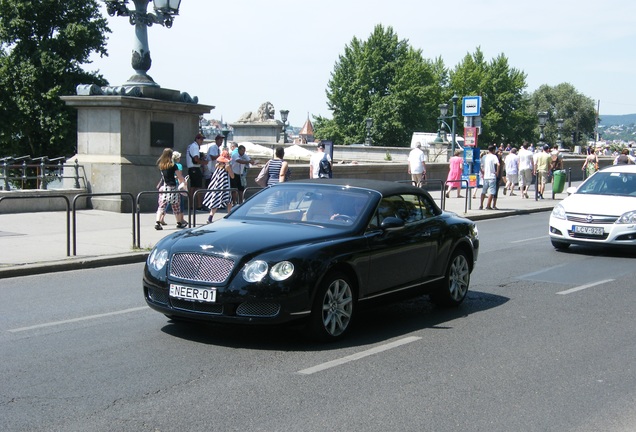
<point x="443" y="110"/>
<point x="369" y="123"/>
<point x="283" y="116"/>
<point x="225" y="131"/>
<point x="543" y="118"/>
<point x="164" y="12"/>
<point x="559" y="123"/>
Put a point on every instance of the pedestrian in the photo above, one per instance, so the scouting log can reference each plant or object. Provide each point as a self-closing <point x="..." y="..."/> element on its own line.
<point x="193" y="163"/>
<point x="239" y="162"/>
<point x="219" y="194"/>
<point x="455" y="171"/>
<point x="489" y="168"/>
<point x="320" y="163"/>
<point x="278" y="171"/>
<point x="556" y="162"/>
<point x="481" y="175"/>
<point x="512" y="171"/>
<point x="590" y="166"/>
<point x="417" y="165"/>
<point x="172" y="177"/>
<point x="526" y="167"/>
<point x="500" y="178"/>
<point x="542" y="169"/>
<point x="624" y="158"/>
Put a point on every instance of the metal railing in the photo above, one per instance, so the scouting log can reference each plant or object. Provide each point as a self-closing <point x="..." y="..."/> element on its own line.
<point x="18" y="174"/>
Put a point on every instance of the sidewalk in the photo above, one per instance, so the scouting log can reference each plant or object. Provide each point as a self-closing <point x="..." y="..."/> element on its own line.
<point x="32" y="243"/>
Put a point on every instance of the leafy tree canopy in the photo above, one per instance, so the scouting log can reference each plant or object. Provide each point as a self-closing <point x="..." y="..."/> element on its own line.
<point x="43" y="44"/>
<point x="387" y="80"/>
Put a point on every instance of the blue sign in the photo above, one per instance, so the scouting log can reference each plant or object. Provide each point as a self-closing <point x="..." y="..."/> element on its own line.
<point x="471" y="106"/>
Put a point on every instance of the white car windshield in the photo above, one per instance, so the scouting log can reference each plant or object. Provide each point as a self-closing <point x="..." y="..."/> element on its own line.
<point x="609" y="183"/>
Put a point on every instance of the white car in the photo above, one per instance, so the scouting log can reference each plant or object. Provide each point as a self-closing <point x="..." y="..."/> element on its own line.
<point x="601" y="211"/>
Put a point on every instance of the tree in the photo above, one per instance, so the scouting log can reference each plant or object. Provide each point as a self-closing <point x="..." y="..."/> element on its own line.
<point x="504" y="113"/>
<point x="563" y="101"/>
<point x="387" y="80"/>
<point x="42" y="47"/>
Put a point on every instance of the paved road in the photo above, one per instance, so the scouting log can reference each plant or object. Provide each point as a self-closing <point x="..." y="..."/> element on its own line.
<point x="544" y="342"/>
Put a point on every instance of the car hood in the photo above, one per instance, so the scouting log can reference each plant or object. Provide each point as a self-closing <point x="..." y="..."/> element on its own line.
<point x="599" y="204"/>
<point x="249" y="237"/>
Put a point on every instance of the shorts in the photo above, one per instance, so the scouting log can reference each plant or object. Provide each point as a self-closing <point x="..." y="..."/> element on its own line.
<point x="196" y="177"/>
<point x="525" y="177"/>
<point x="490" y="186"/>
<point x="235" y="183"/>
<point x="542" y="177"/>
<point x="512" y="178"/>
<point x="418" y="178"/>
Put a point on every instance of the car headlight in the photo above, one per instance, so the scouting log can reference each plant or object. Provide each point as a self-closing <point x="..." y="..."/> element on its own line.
<point x="255" y="271"/>
<point x="627" y="218"/>
<point x="158" y="259"/>
<point x="282" y="270"/>
<point x="559" y="212"/>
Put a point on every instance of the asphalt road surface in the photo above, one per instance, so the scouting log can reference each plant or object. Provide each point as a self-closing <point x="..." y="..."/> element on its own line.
<point x="546" y="341"/>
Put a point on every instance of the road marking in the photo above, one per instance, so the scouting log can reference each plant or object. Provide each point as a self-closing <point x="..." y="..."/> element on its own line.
<point x="89" y="317"/>
<point x="358" y="356"/>
<point x="582" y="287"/>
<point x="529" y="239"/>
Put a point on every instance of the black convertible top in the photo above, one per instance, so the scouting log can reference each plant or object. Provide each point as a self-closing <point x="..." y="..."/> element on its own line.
<point x="384" y="187"/>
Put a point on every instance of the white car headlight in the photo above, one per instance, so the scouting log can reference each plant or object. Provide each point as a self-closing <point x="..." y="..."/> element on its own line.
<point x="158" y="259"/>
<point x="559" y="212"/>
<point x="255" y="271"/>
<point x="282" y="270"/>
<point x="627" y="218"/>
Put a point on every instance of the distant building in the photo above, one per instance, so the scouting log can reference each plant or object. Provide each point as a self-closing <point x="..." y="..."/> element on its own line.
<point x="306" y="133"/>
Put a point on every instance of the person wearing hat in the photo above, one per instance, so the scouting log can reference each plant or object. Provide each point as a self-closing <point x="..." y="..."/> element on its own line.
<point x="219" y="194"/>
<point x="193" y="163"/>
<point x="320" y="163"/>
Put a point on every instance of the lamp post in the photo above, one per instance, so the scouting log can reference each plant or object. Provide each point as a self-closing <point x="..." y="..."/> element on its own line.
<point x="443" y="110"/>
<point x="225" y="131"/>
<point x="559" y="123"/>
<point x="543" y="118"/>
<point x="369" y="123"/>
<point x="164" y="12"/>
<point x="283" y="117"/>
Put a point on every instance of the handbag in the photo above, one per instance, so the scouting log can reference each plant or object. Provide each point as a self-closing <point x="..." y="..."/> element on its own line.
<point x="262" y="177"/>
<point x="183" y="186"/>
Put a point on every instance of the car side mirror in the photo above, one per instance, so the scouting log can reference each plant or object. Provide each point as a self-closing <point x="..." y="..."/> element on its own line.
<point x="391" y="224"/>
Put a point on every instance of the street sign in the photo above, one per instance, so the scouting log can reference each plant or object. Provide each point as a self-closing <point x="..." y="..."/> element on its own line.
<point x="471" y="106"/>
<point x="470" y="137"/>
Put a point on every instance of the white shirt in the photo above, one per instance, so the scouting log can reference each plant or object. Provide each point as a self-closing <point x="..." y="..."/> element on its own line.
<point x="416" y="161"/>
<point x="315" y="162"/>
<point x="193" y="150"/>
<point x="512" y="164"/>
<point x="238" y="168"/>
<point x="490" y="169"/>
<point x="525" y="159"/>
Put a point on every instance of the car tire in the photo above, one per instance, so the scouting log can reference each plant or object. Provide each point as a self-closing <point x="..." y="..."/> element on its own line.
<point x="559" y="245"/>
<point x="452" y="290"/>
<point x="333" y="308"/>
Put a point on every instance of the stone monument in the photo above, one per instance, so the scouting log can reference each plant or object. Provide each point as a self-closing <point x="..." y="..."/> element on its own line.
<point x="258" y="127"/>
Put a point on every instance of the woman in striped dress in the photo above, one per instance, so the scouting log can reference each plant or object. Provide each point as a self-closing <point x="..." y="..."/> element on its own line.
<point x="220" y="180"/>
<point x="278" y="173"/>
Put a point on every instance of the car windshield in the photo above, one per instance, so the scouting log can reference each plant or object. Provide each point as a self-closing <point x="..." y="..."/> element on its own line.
<point x="610" y="183"/>
<point x="310" y="203"/>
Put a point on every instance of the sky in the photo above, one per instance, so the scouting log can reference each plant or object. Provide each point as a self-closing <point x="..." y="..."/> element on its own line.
<point x="237" y="54"/>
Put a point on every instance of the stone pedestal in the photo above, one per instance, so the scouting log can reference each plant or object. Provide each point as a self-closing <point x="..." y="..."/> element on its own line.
<point x="266" y="132"/>
<point x="116" y="143"/>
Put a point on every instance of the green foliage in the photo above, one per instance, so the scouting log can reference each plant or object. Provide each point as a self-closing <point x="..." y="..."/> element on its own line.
<point x="42" y="47"/>
<point x="505" y="118"/>
<point x="385" y="79"/>
<point x="563" y="101"/>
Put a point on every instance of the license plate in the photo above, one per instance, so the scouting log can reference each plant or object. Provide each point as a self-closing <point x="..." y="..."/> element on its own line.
<point x="195" y="294"/>
<point x="588" y="230"/>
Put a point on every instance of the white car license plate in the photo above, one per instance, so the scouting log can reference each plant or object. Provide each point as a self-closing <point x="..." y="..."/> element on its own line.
<point x="588" y="230"/>
<point x="190" y="293"/>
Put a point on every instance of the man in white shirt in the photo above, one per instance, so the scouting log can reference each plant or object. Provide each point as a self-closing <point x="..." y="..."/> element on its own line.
<point x="489" y="168"/>
<point x="314" y="163"/>
<point x="526" y="167"/>
<point x="417" y="165"/>
<point x="238" y="162"/>
<point x="193" y="163"/>
<point x="512" y="171"/>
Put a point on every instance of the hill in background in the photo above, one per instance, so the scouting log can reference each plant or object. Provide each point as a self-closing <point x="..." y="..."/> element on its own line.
<point x="610" y="120"/>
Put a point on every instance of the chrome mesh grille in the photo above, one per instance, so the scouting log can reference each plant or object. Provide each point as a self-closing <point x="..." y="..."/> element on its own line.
<point x="258" y="309"/>
<point x="200" y="267"/>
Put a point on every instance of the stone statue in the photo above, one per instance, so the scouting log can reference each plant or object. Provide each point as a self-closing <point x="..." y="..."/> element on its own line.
<point x="265" y="113"/>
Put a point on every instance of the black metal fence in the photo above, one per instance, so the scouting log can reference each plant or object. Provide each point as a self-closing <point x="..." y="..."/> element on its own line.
<point x="25" y="172"/>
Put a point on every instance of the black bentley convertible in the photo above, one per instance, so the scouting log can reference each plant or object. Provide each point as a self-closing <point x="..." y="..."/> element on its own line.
<point x="313" y="250"/>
